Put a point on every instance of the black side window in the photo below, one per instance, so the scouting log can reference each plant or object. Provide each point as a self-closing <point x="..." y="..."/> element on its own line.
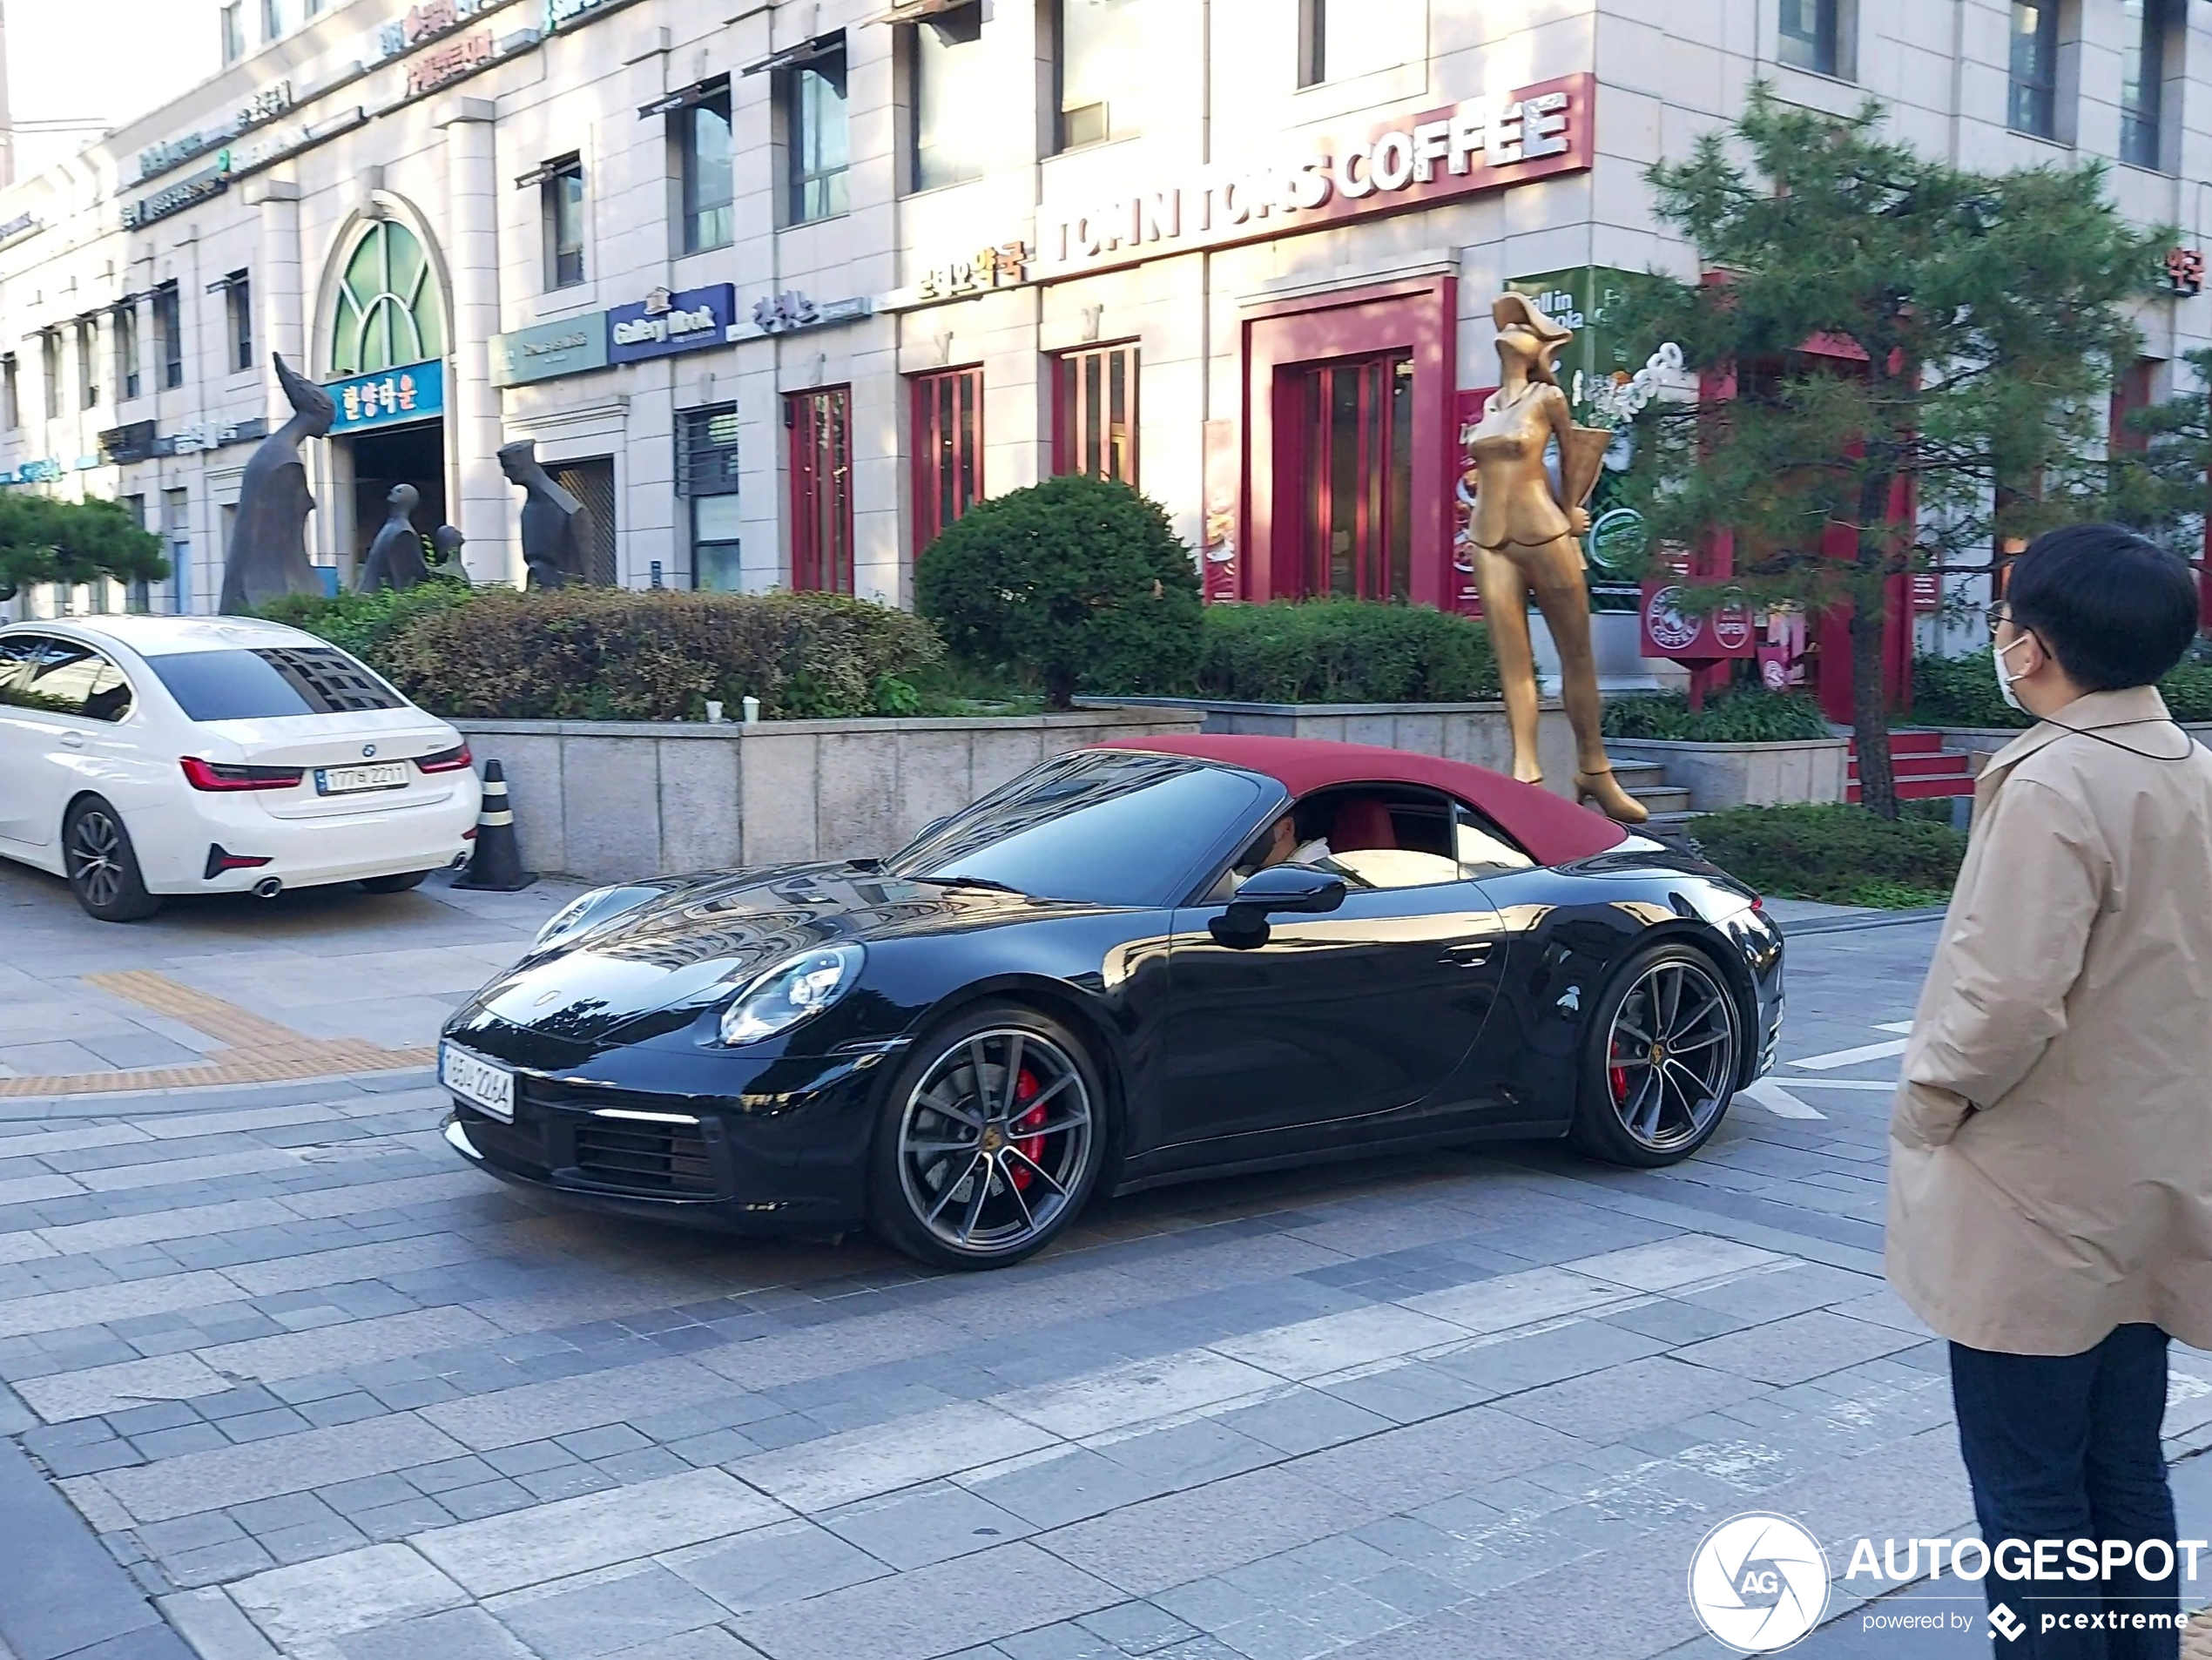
<point x="73" y="679"/>
<point x="1484" y="850"/>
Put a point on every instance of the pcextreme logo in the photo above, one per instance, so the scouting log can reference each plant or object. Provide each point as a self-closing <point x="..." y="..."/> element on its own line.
<point x="1759" y="1583"/>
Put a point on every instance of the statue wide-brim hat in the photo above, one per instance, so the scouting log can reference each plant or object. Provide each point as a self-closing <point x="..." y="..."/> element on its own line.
<point x="1509" y="308"/>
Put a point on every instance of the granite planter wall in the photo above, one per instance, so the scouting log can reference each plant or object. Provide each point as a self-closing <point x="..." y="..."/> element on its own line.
<point x="1987" y="740"/>
<point x="607" y="801"/>
<point x="1459" y="731"/>
<point x="1734" y="775"/>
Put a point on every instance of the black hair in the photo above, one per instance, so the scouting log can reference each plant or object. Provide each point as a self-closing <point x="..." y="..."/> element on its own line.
<point x="2114" y="610"/>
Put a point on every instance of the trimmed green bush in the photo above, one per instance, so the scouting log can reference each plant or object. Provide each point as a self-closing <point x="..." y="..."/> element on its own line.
<point x="1747" y="717"/>
<point x="1962" y="691"/>
<point x="1340" y="650"/>
<point x="1078" y="582"/>
<point x="614" y="654"/>
<point x="1844" y="856"/>
<point x="362" y="624"/>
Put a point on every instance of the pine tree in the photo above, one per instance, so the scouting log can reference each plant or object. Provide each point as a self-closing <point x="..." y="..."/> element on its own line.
<point x="1964" y="331"/>
<point x="44" y="539"/>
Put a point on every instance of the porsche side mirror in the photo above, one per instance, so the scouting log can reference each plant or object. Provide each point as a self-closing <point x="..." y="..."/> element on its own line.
<point x="1282" y="890"/>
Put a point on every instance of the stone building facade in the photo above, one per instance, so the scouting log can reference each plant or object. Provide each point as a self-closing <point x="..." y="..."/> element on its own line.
<point x="779" y="287"/>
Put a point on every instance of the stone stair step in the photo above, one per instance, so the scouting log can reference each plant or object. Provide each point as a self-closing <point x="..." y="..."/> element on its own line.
<point x="1663" y="797"/>
<point x="1634" y="774"/>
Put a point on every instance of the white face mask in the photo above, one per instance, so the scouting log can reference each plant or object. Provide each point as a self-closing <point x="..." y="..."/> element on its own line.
<point x="2004" y="680"/>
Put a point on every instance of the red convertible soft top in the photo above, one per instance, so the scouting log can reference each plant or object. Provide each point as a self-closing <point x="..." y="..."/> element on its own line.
<point x="1551" y="827"/>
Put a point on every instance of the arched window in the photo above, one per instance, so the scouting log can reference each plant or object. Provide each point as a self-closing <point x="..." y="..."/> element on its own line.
<point x="388" y="310"/>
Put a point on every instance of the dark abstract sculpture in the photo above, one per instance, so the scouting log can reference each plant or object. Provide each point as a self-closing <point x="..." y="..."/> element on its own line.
<point x="446" y="543"/>
<point x="553" y="522"/>
<point x="395" y="557"/>
<point x="268" y="552"/>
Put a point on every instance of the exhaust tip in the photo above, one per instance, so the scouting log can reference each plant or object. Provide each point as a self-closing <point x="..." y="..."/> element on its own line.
<point x="267" y="888"/>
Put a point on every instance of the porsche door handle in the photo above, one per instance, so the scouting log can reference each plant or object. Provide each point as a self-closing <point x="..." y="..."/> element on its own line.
<point x="1472" y="955"/>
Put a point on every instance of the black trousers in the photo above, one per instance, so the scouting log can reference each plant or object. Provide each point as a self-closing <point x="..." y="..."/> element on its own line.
<point x="2066" y="1447"/>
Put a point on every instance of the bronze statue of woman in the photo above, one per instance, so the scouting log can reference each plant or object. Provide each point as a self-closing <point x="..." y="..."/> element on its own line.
<point x="268" y="552"/>
<point x="1525" y="543"/>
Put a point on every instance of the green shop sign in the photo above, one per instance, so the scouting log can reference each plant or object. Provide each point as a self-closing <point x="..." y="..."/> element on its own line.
<point x="572" y="345"/>
<point x="1580" y="298"/>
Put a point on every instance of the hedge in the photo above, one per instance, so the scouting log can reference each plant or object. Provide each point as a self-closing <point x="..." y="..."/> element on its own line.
<point x="1729" y="718"/>
<point x="1844" y="856"/>
<point x="1962" y="691"/>
<point x="614" y="654"/>
<point x="1330" y="651"/>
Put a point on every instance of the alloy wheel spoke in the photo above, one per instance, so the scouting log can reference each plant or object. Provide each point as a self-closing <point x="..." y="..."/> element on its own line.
<point x="977" y="1060"/>
<point x="1029" y="1217"/>
<point x="1622" y="1025"/>
<point x="1671" y="1000"/>
<point x="1709" y="1006"/>
<point x="985" y="1170"/>
<point x="1039" y="1171"/>
<point x="952" y="1109"/>
<point x="927" y="1149"/>
<point x="951" y="1188"/>
<point x="1013" y="1075"/>
<point x="1697" y="1044"/>
<point x="1049" y="1091"/>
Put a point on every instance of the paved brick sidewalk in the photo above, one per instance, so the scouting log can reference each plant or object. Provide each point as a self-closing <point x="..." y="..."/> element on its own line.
<point x="322" y="1393"/>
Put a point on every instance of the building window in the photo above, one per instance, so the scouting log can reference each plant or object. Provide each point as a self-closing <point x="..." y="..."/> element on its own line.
<point x="709" y="176"/>
<point x="50" y="370"/>
<point x="390" y="309"/>
<point x="2142" y="81"/>
<point x="951" y="103"/>
<point x="1811" y="36"/>
<point x="1096" y="429"/>
<point x="563" y="197"/>
<point x="280" y="17"/>
<point x="238" y="318"/>
<point x="815" y="130"/>
<point x="10" y="392"/>
<point x="706" y="476"/>
<point x="948" y="450"/>
<point x="2034" y="104"/>
<point x="176" y="529"/>
<point x="88" y="362"/>
<point x="169" y="333"/>
<point x="820" y="423"/>
<point x="233" y="20"/>
<point x="125" y="328"/>
<point x="1102" y="65"/>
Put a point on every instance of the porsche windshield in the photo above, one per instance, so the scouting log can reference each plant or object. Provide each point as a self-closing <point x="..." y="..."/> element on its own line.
<point x="1105" y="827"/>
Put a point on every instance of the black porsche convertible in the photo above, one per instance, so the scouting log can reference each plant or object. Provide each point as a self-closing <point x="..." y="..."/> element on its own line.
<point x="1131" y="965"/>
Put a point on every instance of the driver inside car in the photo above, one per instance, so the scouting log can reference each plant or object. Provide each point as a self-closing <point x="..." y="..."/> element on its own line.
<point x="1280" y="846"/>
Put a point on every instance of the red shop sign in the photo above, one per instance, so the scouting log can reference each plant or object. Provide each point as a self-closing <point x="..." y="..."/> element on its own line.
<point x="1707" y="637"/>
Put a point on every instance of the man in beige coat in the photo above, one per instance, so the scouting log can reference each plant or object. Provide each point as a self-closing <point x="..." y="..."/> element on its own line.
<point x="2051" y="1145"/>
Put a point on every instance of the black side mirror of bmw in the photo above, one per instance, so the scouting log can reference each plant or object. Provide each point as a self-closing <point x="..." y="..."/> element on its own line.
<point x="1284" y="889"/>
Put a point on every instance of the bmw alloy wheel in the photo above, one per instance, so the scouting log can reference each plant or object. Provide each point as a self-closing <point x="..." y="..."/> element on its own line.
<point x="1670" y="1057"/>
<point x="96" y="857"/>
<point x="994" y="1141"/>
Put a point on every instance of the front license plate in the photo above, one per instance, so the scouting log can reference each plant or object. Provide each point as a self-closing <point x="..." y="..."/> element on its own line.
<point x="488" y="1086"/>
<point x="346" y="780"/>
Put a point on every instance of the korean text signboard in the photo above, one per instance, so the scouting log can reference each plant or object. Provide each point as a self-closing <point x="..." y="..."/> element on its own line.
<point x="663" y="323"/>
<point x="390" y="397"/>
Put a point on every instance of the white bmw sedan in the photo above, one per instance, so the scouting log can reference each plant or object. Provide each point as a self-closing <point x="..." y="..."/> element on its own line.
<point x="144" y="756"/>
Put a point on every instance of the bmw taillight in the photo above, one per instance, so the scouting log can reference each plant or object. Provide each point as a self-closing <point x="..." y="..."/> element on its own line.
<point x="221" y="777"/>
<point x="446" y="760"/>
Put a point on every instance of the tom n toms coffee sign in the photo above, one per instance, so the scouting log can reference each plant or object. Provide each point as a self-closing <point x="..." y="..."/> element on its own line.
<point x="1480" y="145"/>
<point x="664" y="322"/>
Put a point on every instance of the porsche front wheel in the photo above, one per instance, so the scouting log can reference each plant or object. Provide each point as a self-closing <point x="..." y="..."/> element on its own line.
<point x="990" y="1141"/>
<point x="1659" y="1060"/>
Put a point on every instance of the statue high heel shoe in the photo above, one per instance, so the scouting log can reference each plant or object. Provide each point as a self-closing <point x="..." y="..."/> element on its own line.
<point x="1605" y="791"/>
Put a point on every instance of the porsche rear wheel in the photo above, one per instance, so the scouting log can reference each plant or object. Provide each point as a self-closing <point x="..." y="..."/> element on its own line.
<point x="991" y="1140"/>
<point x="1659" y="1060"/>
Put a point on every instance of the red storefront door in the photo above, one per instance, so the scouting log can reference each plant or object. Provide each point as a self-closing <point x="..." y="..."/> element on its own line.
<point x="821" y="490"/>
<point x="1355" y="418"/>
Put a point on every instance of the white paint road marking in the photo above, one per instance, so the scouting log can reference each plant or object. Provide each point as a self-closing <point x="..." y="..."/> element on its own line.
<point x="1870" y="1086"/>
<point x="1835" y="1058"/>
<point x="1779" y="1102"/>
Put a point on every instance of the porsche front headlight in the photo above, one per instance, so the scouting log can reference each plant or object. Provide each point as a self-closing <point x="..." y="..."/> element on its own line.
<point x="796" y="989"/>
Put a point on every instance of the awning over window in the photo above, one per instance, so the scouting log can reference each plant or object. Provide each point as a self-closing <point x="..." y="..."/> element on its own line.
<point x="821" y="46"/>
<point x="698" y="93"/>
<point x="921" y="11"/>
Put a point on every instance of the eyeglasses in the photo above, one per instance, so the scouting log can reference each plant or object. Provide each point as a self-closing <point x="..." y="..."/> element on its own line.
<point x="1996" y="615"/>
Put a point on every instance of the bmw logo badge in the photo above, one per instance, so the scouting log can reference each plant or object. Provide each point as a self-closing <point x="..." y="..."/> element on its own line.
<point x="368" y="750"/>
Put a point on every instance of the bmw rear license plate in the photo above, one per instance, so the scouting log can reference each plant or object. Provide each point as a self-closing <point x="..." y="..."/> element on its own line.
<point x="347" y="780"/>
<point x="484" y="1084"/>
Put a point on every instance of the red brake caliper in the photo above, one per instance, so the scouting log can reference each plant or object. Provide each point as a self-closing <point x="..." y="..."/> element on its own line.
<point x="1030" y="1147"/>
